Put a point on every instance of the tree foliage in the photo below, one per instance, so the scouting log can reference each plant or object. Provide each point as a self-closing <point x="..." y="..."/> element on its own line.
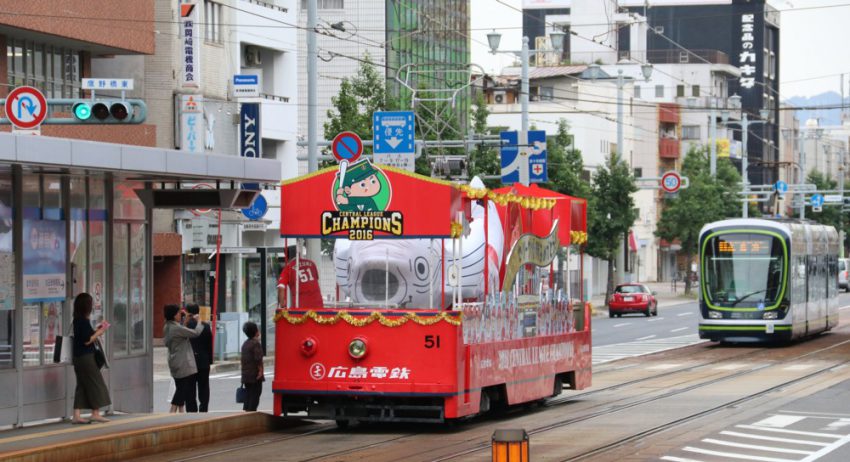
<point x="611" y="211"/>
<point x="565" y="164"/>
<point x="830" y="215"/>
<point x="484" y="160"/>
<point x="705" y="200"/>
<point x="358" y="98"/>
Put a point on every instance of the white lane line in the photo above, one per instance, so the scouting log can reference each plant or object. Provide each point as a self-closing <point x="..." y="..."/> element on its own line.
<point x="779" y="421"/>
<point x="828" y="449"/>
<point x="662" y="367"/>
<point x="732" y="455"/>
<point x="654" y="319"/>
<point x="754" y="446"/>
<point x="646" y="338"/>
<point x="678" y="459"/>
<point x="772" y="438"/>
<point x="623" y="324"/>
<point x="790" y="432"/>
<point x="679" y="329"/>
<point x="730" y="367"/>
<point x="798" y="367"/>
<point x="684" y="314"/>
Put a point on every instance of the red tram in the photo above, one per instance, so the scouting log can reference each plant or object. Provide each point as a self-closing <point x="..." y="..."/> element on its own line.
<point x="453" y="300"/>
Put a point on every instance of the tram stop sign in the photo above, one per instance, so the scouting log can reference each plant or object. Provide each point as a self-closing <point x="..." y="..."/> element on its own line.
<point x="781" y="187"/>
<point x="671" y="182"/>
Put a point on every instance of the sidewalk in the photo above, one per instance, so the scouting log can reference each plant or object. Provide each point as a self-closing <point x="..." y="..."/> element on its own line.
<point x="664" y="293"/>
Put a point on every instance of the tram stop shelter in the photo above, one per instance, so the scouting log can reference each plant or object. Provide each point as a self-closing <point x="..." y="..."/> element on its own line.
<point x="76" y="216"/>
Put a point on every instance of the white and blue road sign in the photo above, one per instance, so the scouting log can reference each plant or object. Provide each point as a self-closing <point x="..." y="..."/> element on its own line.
<point x="393" y="132"/>
<point x="816" y="200"/>
<point x="537" y="166"/>
<point x="259" y="207"/>
<point x="781" y="187"/>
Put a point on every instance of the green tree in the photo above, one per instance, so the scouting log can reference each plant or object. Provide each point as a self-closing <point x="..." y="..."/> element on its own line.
<point x="705" y="200"/>
<point x="830" y="215"/>
<point x="565" y="164"/>
<point x="358" y="98"/>
<point x="483" y="160"/>
<point x="611" y="212"/>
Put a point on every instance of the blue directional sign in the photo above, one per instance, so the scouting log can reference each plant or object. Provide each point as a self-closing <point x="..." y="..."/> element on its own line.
<point x="510" y="157"/>
<point x="781" y="187"/>
<point x="537" y="166"/>
<point x="393" y="132"/>
<point x="817" y="200"/>
<point x="259" y="207"/>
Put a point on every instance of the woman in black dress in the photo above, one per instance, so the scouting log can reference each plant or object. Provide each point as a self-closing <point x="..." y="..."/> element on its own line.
<point x="91" y="390"/>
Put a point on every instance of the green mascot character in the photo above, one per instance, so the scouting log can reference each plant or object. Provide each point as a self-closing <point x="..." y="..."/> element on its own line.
<point x="358" y="188"/>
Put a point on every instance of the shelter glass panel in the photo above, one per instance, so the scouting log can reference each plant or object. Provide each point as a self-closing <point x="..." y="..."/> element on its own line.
<point x="120" y="287"/>
<point x="7" y="271"/>
<point x="138" y="289"/>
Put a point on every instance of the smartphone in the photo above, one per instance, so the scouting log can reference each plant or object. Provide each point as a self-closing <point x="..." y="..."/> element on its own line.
<point x="105" y="325"/>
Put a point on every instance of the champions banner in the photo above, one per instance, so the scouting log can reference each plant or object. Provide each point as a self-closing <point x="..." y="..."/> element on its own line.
<point x="365" y="201"/>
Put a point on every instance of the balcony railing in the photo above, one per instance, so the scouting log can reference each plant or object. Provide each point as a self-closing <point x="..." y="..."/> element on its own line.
<point x="683" y="57"/>
<point x="668" y="148"/>
<point x="268" y="5"/>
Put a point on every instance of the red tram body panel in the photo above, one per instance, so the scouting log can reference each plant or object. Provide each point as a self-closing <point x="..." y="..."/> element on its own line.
<point x="510" y="334"/>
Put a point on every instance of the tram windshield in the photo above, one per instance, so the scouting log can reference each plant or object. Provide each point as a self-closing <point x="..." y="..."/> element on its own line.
<point x="743" y="270"/>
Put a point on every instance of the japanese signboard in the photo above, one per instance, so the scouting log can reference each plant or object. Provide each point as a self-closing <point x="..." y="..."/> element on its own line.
<point x="44" y="261"/>
<point x="747" y="59"/>
<point x="97" y="83"/>
<point x="192" y="123"/>
<point x="190" y="43"/>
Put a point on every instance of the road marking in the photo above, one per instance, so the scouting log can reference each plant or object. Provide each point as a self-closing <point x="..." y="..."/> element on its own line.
<point x="772" y="438"/>
<point x="730" y="367"/>
<point x="613" y="352"/>
<point x="681" y="328"/>
<point x="790" y="432"/>
<point x="754" y="446"/>
<point x="655" y="319"/>
<point x="684" y="314"/>
<point x="779" y="421"/>
<point x="678" y="459"/>
<point x="623" y="324"/>
<point x="798" y="367"/>
<point x="733" y="455"/>
<point x="663" y="367"/>
<point x="647" y="337"/>
<point x="828" y="449"/>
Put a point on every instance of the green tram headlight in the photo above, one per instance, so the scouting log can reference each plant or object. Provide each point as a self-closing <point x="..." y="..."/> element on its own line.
<point x="357" y="348"/>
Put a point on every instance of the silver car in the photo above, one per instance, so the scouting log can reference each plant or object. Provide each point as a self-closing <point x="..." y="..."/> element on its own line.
<point x="843" y="269"/>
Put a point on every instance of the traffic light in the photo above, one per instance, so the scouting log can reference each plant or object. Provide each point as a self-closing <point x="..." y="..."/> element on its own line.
<point x="127" y="111"/>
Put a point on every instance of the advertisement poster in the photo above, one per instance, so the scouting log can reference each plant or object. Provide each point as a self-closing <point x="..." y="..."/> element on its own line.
<point x="44" y="261"/>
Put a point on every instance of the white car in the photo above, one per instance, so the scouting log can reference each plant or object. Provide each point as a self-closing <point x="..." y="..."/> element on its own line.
<point x="843" y="268"/>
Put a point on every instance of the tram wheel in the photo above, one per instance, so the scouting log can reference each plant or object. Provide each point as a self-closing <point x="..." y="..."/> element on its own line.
<point x="610" y="314"/>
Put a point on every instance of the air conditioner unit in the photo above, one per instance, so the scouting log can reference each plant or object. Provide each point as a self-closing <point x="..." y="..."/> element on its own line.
<point x="252" y="56"/>
<point x="499" y="97"/>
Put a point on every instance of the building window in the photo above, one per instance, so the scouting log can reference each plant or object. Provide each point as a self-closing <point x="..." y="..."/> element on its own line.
<point x="690" y="132"/>
<point x="212" y="21"/>
<point x="637" y="91"/>
<point x="680" y="91"/>
<point x="546" y="93"/>
<point x="695" y="90"/>
<point x="659" y="91"/>
<point x="326" y="4"/>
<point x="7" y="272"/>
<point x="53" y="70"/>
<point x="638" y="172"/>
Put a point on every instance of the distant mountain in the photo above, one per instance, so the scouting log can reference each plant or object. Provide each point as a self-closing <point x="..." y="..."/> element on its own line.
<point x="825" y="116"/>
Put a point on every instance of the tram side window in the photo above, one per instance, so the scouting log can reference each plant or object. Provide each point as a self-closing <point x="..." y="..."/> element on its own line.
<point x="7" y="272"/>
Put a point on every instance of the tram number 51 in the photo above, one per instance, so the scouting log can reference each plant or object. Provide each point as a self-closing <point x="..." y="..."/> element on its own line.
<point x="432" y="341"/>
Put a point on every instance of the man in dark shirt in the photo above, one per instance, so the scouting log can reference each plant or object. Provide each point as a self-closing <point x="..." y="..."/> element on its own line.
<point x="203" y="349"/>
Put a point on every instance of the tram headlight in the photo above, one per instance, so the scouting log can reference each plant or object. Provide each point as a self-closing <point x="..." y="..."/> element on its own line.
<point x="357" y="348"/>
<point x="309" y="346"/>
<point x="770" y="315"/>
<point x="715" y="315"/>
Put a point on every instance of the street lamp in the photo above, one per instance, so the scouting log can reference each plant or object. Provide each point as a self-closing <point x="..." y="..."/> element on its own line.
<point x="493" y="39"/>
<point x="745" y="124"/>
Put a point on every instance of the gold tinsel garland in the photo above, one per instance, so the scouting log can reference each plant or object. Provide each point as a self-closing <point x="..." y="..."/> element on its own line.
<point x="578" y="237"/>
<point x="363" y="321"/>
<point x="532" y="203"/>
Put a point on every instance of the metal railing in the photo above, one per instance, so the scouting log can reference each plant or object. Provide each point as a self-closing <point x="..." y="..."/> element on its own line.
<point x="269" y="5"/>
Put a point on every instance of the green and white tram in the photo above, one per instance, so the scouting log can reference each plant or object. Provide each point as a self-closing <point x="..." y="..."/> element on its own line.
<point x="766" y="280"/>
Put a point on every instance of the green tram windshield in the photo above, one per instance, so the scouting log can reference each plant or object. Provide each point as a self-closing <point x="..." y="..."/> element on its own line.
<point x="743" y="270"/>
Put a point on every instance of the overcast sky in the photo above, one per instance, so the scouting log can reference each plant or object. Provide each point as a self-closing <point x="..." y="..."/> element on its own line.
<point x="814" y="43"/>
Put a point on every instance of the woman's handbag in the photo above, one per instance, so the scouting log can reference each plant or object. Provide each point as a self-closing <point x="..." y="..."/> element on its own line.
<point x="241" y="393"/>
<point x="100" y="355"/>
<point x="63" y="350"/>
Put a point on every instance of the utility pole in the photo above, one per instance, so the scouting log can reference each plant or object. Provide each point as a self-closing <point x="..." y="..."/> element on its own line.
<point x="621" y="253"/>
<point x="712" y="128"/>
<point x="524" y="173"/>
<point x="313" y="249"/>
<point x="744" y="131"/>
<point x="802" y="173"/>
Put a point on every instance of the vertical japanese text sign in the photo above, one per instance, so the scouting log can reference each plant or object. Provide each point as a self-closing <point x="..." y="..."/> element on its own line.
<point x="190" y="42"/>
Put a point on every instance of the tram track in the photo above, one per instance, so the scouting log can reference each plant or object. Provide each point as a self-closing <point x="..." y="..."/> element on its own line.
<point x="669" y="425"/>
